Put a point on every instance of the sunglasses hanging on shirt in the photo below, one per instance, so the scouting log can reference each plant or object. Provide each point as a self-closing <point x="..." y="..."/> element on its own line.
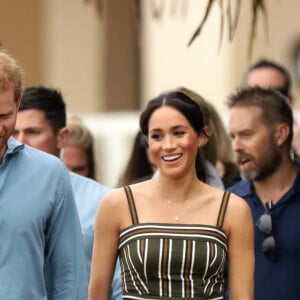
<point x="264" y="224"/>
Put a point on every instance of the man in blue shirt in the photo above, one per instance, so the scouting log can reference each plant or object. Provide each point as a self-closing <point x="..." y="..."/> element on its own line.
<point x="41" y="248"/>
<point x="41" y="123"/>
<point x="261" y="128"/>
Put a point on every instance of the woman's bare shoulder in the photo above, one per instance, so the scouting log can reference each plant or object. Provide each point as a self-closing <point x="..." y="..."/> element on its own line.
<point x="237" y="203"/>
<point x="116" y="192"/>
<point x="113" y="208"/>
<point x="113" y="198"/>
<point x="238" y="211"/>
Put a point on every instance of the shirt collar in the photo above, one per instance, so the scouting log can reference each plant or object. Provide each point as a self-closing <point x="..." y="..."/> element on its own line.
<point x="13" y="146"/>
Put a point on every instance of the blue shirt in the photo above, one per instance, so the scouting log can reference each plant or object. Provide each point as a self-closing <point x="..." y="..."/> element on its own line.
<point x="41" y="247"/>
<point x="88" y="195"/>
<point x="276" y="279"/>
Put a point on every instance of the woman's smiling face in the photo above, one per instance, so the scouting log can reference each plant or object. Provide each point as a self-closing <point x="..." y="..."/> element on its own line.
<point x="173" y="142"/>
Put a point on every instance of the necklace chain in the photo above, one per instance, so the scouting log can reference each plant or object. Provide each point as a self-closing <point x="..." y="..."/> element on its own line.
<point x="178" y="217"/>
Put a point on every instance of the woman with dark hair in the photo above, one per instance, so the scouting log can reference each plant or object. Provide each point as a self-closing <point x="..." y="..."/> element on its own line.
<point x="173" y="233"/>
<point x="138" y="167"/>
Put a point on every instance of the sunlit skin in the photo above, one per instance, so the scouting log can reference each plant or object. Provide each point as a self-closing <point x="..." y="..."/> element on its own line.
<point x="76" y="159"/>
<point x="253" y="142"/>
<point x="8" y="115"/>
<point x="33" y="129"/>
<point x="173" y="142"/>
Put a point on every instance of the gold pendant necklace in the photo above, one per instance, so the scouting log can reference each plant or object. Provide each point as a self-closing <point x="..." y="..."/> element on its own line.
<point x="178" y="217"/>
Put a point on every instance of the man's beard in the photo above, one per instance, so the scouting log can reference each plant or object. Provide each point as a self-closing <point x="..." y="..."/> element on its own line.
<point x="265" y="165"/>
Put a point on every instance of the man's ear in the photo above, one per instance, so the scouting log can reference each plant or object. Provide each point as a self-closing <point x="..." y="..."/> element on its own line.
<point x="18" y="102"/>
<point x="62" y="137"/>
<point x="281" y="133"/>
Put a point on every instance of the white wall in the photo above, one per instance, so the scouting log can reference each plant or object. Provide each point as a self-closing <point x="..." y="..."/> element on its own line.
<point x="114" y="133"/>
<point x="167" y="62"/>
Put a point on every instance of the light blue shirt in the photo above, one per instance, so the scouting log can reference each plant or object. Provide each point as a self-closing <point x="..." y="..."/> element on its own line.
<point x="41" y="247"/>
<point x="213" y="178"/>
<point x="88" y="195"/>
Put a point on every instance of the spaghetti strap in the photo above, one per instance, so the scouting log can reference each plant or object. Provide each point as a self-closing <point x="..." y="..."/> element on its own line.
<point x="222" y="211"/>
<point x="131" y="204"/>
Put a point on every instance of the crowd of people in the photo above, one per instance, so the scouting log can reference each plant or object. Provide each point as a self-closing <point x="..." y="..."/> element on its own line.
<point x="201" y="211"/>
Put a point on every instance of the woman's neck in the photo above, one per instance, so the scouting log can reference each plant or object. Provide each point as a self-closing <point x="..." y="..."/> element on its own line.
<point x="180" y="189"/>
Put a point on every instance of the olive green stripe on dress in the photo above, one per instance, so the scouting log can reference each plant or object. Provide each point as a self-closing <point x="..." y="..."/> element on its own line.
<point x="131" y="204"/>
<point x="187" y="269"/>
<point x="222" y="210"/>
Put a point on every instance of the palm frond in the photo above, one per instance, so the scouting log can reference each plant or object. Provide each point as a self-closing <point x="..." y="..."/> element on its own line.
<point x="198" y="30"/>
<point x="221" y="24"/>
<point x="257" y="5"/>
<point x="232" y="17"/>
<point x="232" y="23"/>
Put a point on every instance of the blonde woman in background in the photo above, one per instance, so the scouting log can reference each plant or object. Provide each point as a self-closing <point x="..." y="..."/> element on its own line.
<point x="218" y="150"/>
<point x="78" y="153"/>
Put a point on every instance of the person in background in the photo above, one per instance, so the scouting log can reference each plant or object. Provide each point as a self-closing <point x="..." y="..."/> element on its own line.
<point x="261" y="128"/>
<point x="41" y="252"/>
<point x="41" y="123"/>
<point x="78" y="151"/>
<point x="173" y="232"/>
<point x="267" y="73"/>
<point x="218" y="149"/>
<point x="139" y="166"/>
<point x="225" y="162"/>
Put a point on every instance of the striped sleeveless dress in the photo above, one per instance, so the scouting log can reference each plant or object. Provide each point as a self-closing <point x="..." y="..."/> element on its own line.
<point x="172" y="261"/>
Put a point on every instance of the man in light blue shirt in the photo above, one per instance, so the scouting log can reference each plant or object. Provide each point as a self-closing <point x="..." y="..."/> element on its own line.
<point x="41" y="248"/>
<point x="41" y="123"/>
